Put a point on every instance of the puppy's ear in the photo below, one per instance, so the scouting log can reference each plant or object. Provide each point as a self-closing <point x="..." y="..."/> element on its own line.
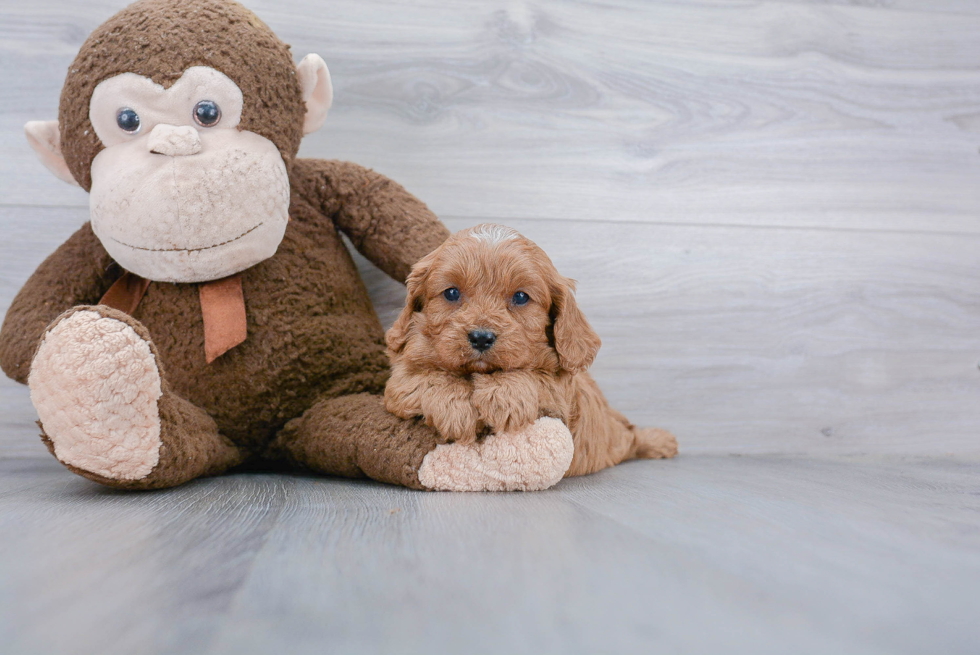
<point x="576" y="342"/>
<point x="397" y="335"/>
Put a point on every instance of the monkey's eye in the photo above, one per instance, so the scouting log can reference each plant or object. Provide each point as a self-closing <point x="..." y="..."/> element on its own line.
<point x="207" y="113"/>
<point x="128" y="120"/>
<point x="520" y="298"/>
<point x="451" y="294"/>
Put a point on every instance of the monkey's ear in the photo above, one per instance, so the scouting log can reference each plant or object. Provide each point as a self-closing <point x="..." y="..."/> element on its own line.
<point x="398" y="333"/>
<point x="45" y="139"/>
<point x="576" y="342"/>
<point x="314" y="79"/>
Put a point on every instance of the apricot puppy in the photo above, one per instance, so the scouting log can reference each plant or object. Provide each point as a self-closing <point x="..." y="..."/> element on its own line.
<point x="491" y="339"/>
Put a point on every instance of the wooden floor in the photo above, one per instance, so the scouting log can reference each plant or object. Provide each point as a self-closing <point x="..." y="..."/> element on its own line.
<point x="705" y="554"/>
<point x="773" y="212"/>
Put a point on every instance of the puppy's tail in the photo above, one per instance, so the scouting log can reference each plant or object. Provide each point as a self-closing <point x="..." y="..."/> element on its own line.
<point x="653" y="443"/>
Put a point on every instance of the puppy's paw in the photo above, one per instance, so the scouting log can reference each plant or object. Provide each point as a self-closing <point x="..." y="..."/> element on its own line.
<point x="442" y="399"/>
<point x="507" y="401"/>
<point x="456" y="422"/>
<point x="402" y="405"/>
<point x="403" y="393"/>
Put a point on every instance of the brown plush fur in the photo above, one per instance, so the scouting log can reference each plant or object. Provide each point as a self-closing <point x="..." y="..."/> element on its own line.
<point x="206" y="452"/>
<point x="536" y="366"/>
<point x="315" y="347"/>
<point x="313" y="334"/>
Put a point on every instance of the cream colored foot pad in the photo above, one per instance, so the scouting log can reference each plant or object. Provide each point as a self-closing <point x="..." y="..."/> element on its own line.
<point x="95" y="385"/>
<point x="530" y="460"/>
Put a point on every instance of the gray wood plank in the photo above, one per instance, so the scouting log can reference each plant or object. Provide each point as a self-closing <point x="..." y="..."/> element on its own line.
<point x="935" y="6"/>
<point x="538" y="576"/>
<point x="701" y="554"/>
<point x="30" y="235"/>
<point x="775" y="340"/>
<point x="763" y="113"/>
<point x="741" y="340"/>
<point x="914" y="518"/>
<point x="771" y="210"/>
<point x="112" y="570"/>
<point x="18" y="433"/>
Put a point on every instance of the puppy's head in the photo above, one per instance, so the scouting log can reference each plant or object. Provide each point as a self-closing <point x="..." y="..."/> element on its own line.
<point x="487" y="300"/>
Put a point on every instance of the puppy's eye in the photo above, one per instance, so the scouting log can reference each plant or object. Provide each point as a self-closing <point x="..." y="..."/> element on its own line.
<point x="520" y="298"/>
<point x="451" y="294"/>
<point x="128" y="120"/>
<point x="207" y="113"/>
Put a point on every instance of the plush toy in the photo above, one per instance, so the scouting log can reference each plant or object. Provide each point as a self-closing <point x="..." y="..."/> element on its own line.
<point x="210" y="315"/>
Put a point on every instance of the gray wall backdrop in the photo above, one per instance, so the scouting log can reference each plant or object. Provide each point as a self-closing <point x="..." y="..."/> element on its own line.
<point x="771" y="207"/>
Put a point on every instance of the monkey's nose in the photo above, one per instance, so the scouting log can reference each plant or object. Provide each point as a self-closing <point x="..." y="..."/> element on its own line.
<point x="174" y="140"/>
<point x="482" y="340"/>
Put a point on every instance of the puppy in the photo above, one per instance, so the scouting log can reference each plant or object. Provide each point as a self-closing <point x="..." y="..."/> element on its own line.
<point x="491" y="339"/>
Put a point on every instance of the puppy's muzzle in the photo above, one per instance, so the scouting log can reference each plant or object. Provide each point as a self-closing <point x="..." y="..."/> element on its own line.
<point x="482" y="340"/>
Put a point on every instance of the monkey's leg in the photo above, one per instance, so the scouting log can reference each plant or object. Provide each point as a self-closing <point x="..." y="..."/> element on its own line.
<point x="106" y="410"/>
<point x="355" y="436"/>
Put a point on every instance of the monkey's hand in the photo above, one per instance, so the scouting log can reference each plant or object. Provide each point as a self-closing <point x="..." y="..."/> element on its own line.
<point x="506" y="400"/>
<point x="441" y="398"/>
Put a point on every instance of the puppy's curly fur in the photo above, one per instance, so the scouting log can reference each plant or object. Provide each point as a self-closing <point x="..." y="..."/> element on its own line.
<point x="540" y="345"/>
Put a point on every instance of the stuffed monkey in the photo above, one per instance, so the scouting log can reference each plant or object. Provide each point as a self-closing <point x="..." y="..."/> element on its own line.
<point x="209" y="314"/>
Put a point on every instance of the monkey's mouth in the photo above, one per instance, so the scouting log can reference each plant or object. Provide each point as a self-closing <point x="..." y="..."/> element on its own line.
<point x="216" y="245"/>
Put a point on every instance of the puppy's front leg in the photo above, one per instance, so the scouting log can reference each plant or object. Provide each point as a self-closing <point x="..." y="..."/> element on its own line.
<point x="404" y="391"/>
<point x="446" y="407"/>
<point x="441" y="398"/>
<point x="507" y="400"/>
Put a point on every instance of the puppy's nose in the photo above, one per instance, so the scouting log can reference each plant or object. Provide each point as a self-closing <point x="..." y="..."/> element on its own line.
<point x="482" y="340"/>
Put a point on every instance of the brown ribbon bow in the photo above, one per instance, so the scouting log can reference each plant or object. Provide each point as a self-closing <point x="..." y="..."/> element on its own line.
<point x="222" y="306"/>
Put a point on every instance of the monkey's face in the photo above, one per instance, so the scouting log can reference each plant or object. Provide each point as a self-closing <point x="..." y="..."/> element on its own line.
<point x="180" y="194"/>
<point x="186" y="163"/>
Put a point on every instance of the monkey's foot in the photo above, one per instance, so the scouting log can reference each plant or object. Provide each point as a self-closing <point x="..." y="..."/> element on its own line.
<point x="531" y="459"/>
<point x="96" y="386"/>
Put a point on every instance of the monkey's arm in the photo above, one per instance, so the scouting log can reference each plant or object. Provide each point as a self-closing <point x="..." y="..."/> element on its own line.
<point x="387" y="224"/>
<point x="77" y="273"/>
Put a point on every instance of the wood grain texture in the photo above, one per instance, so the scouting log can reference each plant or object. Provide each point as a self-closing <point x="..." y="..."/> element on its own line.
<point x="741" y="340"/>
<point x="771" y="209"/>
<point x="770" y="206"/>
<point x="761" y="113"/>
<point x="703" y="554"/>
